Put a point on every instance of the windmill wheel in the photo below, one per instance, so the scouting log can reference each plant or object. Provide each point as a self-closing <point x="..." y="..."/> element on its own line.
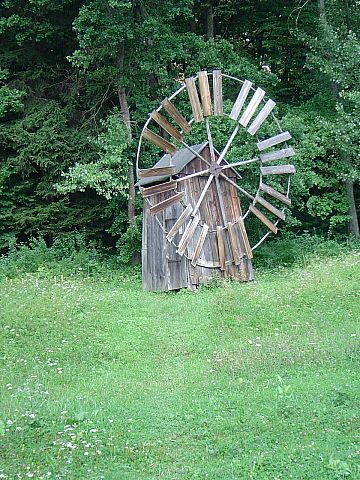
<point x="210" y="120"/>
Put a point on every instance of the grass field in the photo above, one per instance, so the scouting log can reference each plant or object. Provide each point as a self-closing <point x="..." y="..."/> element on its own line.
<point x="100" y="380"/>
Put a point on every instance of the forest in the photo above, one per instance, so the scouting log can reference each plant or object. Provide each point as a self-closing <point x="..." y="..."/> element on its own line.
<point x="79" y="78"/>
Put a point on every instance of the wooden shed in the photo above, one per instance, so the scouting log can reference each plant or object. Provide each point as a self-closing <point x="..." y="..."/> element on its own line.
<point x="163" y="268"/>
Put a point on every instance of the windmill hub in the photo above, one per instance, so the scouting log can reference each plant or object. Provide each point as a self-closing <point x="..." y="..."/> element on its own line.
<point x="215" y="169"/>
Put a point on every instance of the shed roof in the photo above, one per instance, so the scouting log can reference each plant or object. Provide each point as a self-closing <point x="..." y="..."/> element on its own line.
<point x="179" y="160"/>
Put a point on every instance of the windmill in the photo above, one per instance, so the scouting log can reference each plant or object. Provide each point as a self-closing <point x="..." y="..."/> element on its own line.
<point x="198" y="198"/>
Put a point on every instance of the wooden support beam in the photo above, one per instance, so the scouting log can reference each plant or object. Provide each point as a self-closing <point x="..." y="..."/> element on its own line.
<point x="245" y="239"/>
<point x="270" y="142"/>
<point x="159" y="141"/>
<point x="160" y="120"/>
<point x="205" y="93"/>
<point x="239" y="102"/>
<point x="233" y="243"/>
<point x="250" y="109"/>
<point x="200" y="244"/>
<point x="157" y="172"/>
<point x="274" y="193"/>
<point x="179" y="222"/>
<point x="194" y="99"/>
<point x="166" y="203"/>
<point x="187" y="235"/>
<point x="278" y="154"/>
<point x="261" y="117"/>
<point x="263" y="219"/>
<point x="160" y="188"/>
<point x="176" y="115"/>
<point x="217" y="93"/>
<point x="269" y="207"/>
<point x="277" y="169"/>
<point x="221" y="246"/>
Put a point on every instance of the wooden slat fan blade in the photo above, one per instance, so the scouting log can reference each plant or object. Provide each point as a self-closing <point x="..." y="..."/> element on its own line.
<point x="166" y="203"/>
<point x="157" y="172"/>
<point x="161" y="188"/>
<point x="187" y="235"/>
<point x="176" y="115"/>
<point x="233" y="243"/>
<point x="277" y="155"/>
<point x="277" y="169"/>
<point x="199" y="245"/>
<point x="194" y="99"/>
<point x="270" y="142"/>
<point x="261" y="117"/>
<point x="205" y="93"/>
<point x="221" y="246"/>
<point x="179" y="222"/>
<point x="274" y="193"/>
<point x="159" y="141"/>
<point x="270" y="207"/>
<point x="250" y="109"/>
<point x="217" y="93"/>
<point x="239" y="102"/>
<point x="263" y="219"/>
<point x="160" y="120"/>
<point x="245" y="238"/>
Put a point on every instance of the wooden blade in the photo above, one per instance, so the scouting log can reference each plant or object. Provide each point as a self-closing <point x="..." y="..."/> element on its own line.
<point x="270" y="207"/>
<point x="217" y="93"/>
<point x="166" y="203"/>
<point x="199" y="245"/>
<point x="187" y="235"/>
<point x="270" y="142"/>
<point x="159" y="141"/>
<point x="221" y="246"/>
<point x="239" y="102"/>
<point x="161" y="188"/>
<point x="245" y="238"/>
<point x="274" y="193"/>
<point x="264" y="219"/>
<point x="284" y="153"/>
<point x="160" y="120"/>
<point x="179" y="222"/>
<point x="157" y="172"/>
<point x="234" y="244"/>
<point x="250" y="109"/>
<point x="261" y="117"/>
<point x="277" y="169"/>
<point x="205" y="93"/>
<point x="194" y="99"/>
<point x="176" y="115"/>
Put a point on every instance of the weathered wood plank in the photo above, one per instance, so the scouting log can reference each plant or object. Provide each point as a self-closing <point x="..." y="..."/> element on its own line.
<point x="261" y="117"/>
<point x="221" y="246"/>
<point x="194" y="99"/>
<point x="159" y="141"/>
<point x="278" y="154"/>
<point x="277" y="169"/>
<point x="245" y="238"/>
<point x="217" y="93"/>
<point x="233" y="243"/>
<point x="166" y="203"/>
<point x="270" y="207"/>
<point x="239" y="102"/>
<point x="263" y="219"/>
<point x="179" y="222"/>
<point x="176" y="115"/>
<point x="157" y="172"/>
<point x="250" y="109"/>
<point x="187" y="235"/>
<point x="200" y="244"/>
<point x="160" y="120"/>
<point x="156" y="189"/>
<point x="205" y="93"/>
<point x="274" y="193"/>
<point x="270" y="142"/>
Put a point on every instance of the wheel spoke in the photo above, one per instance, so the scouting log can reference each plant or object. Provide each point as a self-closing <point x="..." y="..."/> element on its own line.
<point x="247" y="194"/>
<point x="228" y="144"/>
<point x="242" y="162"/>
<point x="203" y="193"/>
<point x="197" y="174"/>
<point x="209" y="136"/>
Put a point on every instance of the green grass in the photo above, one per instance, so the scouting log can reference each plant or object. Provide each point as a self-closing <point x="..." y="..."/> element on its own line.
<point x="244" y="381"/>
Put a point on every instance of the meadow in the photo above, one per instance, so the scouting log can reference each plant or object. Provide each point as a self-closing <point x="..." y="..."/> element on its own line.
<point x="100" y="380"/>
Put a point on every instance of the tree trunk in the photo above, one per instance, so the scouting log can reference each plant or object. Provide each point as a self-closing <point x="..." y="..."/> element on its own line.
<point x="210" y="21"/>
<point x="353" y="223"/>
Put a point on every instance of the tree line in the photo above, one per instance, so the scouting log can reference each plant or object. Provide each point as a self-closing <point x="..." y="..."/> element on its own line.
<point x="78" y="79"/>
